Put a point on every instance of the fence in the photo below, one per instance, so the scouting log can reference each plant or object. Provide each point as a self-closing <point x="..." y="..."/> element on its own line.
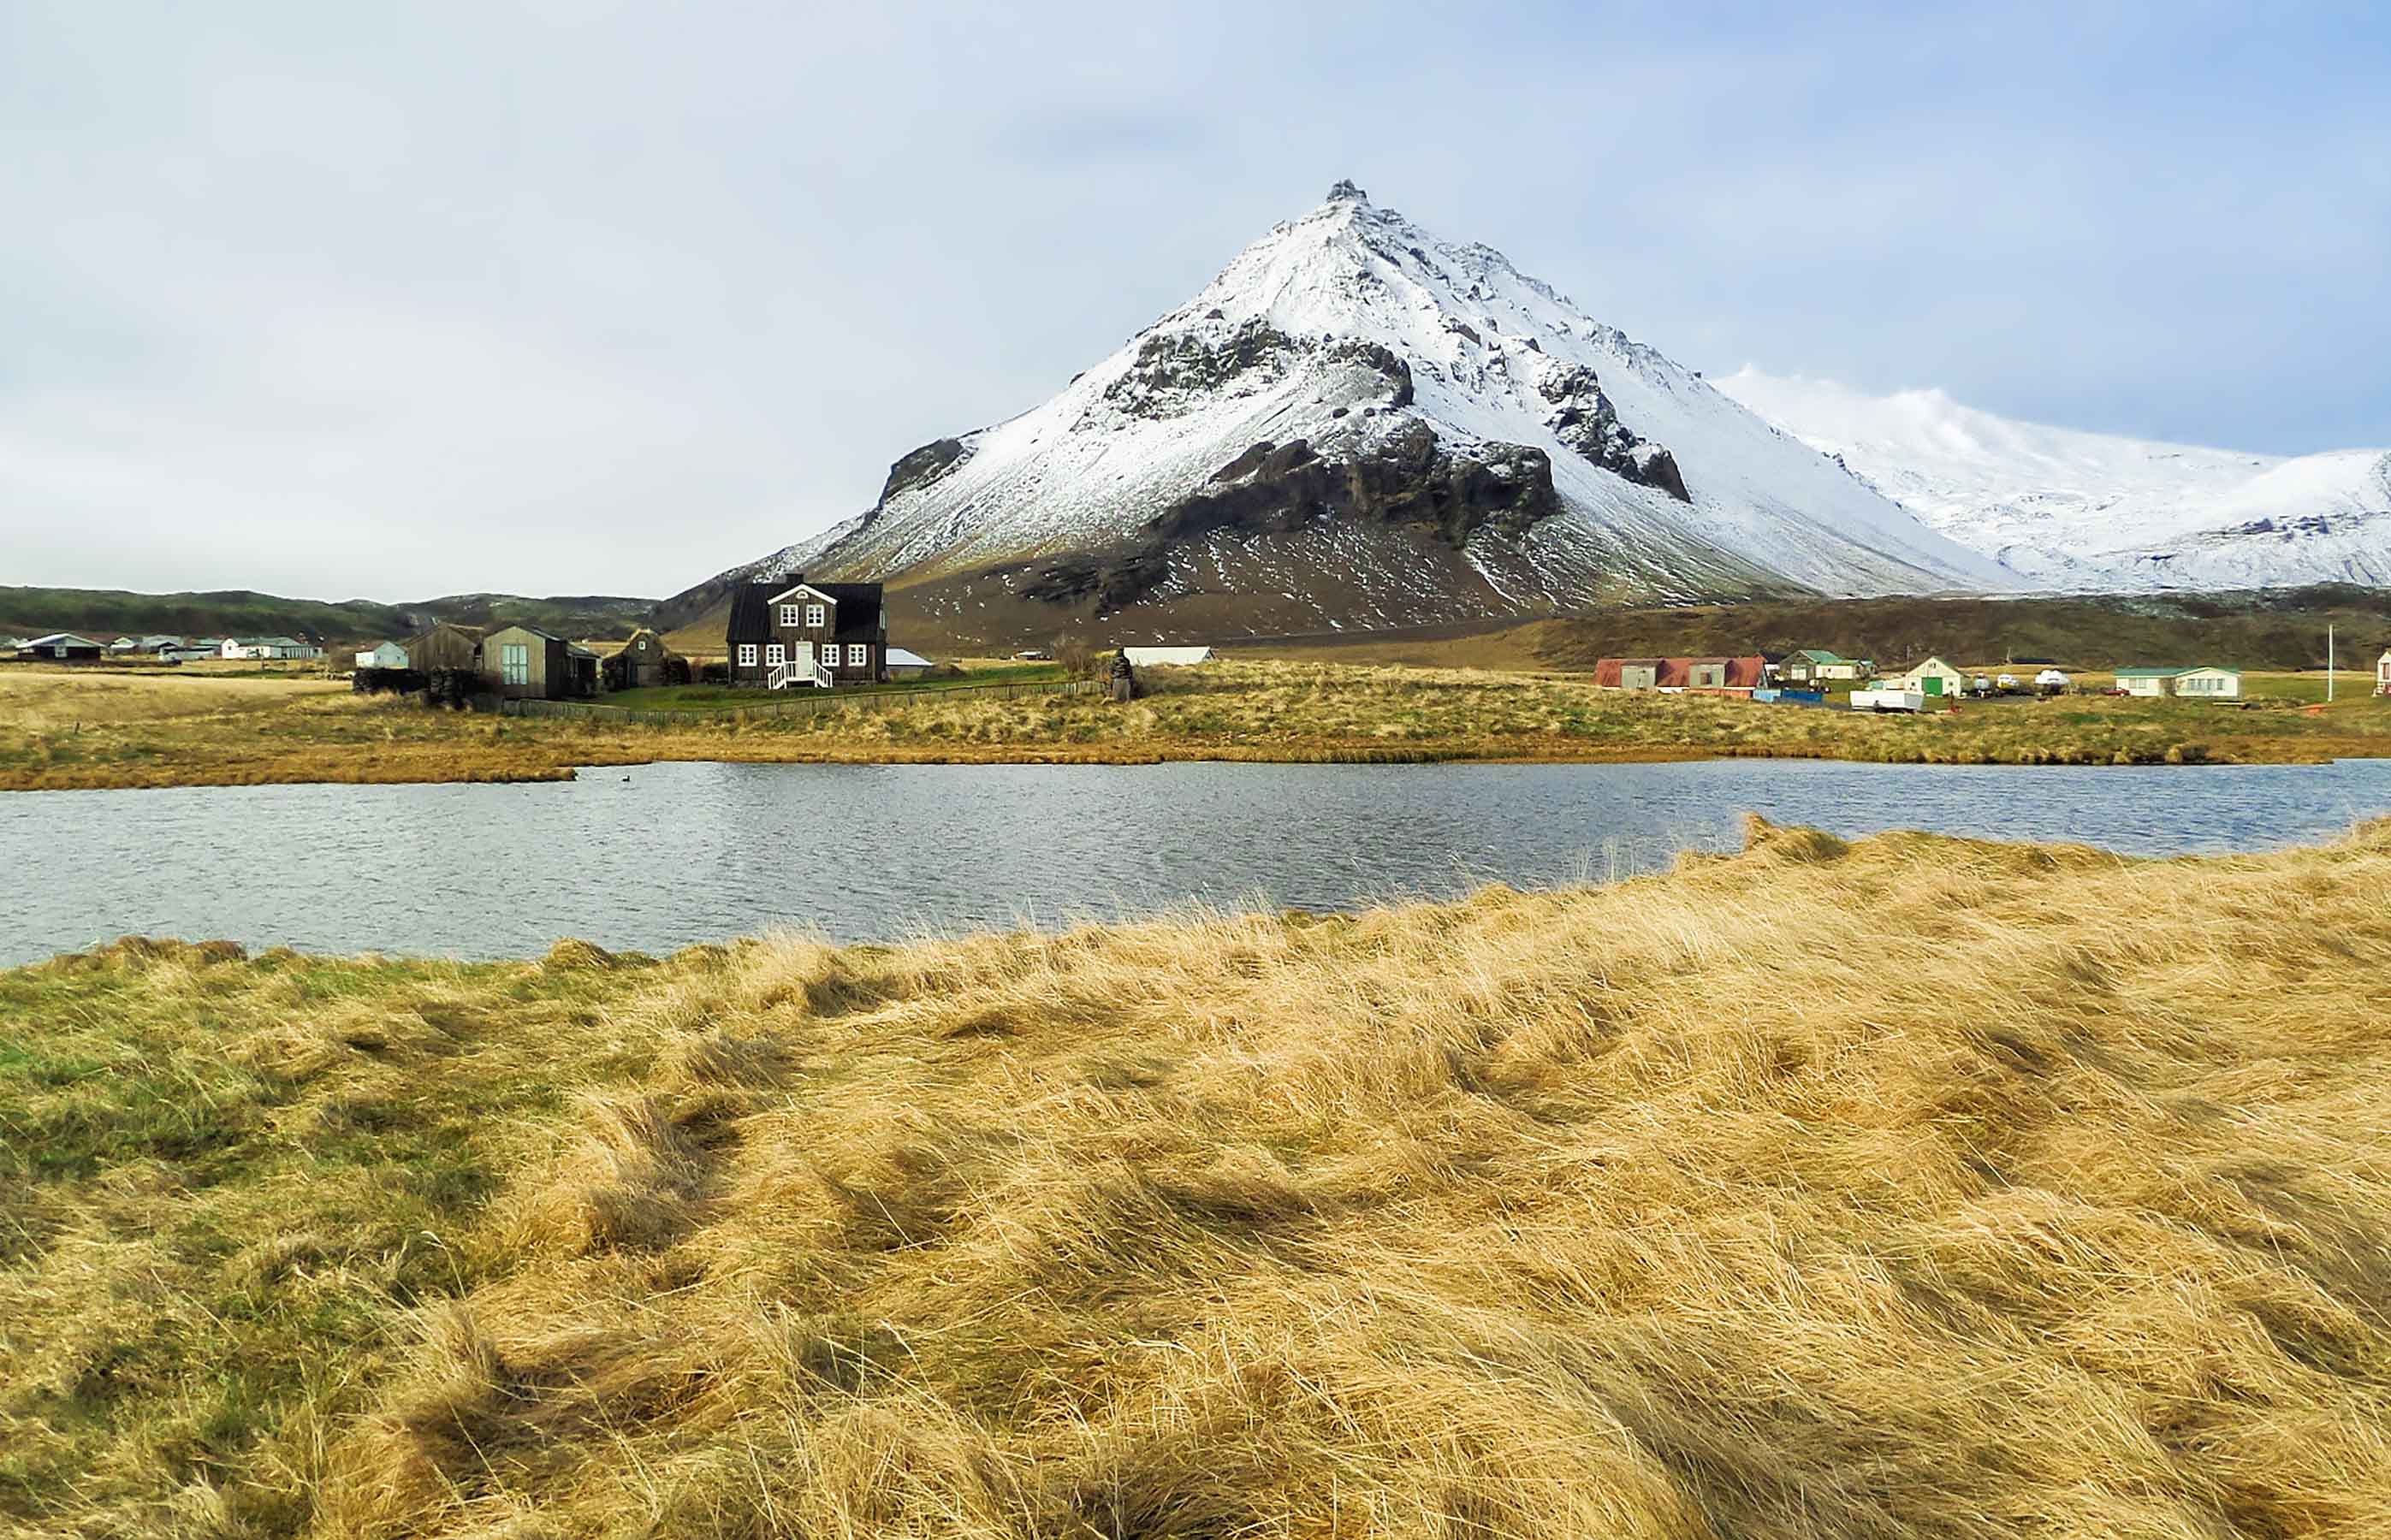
<point x="810" y="702"/>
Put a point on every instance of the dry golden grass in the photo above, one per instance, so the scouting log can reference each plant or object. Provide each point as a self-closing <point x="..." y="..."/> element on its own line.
<point x="1227" y="710"/>
<point x="1912" y="1186"/>
<point x="49" y="702"/>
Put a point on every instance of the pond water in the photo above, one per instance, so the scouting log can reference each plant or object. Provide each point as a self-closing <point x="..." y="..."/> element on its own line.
<point x="651" y="857"/>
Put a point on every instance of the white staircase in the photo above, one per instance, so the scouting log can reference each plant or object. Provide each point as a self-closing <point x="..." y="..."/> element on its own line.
<point x="799" y="672"/>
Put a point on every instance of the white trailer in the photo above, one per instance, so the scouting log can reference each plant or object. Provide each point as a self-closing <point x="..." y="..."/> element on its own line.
<point x="1886" y="698"/>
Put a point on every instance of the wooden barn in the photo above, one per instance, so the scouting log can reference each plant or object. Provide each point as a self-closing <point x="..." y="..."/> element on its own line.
<point x="521" y="663"/>
<point x="446" y="645"/>
<point x="643" y="663"/>
<point x="1731" y="675"/>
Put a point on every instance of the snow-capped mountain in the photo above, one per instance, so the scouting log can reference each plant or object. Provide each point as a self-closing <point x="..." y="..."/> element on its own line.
<point x="2070" y="509"/>
<point x="1359" y="424"/>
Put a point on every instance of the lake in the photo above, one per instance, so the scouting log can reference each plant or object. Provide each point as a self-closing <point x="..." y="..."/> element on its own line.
<point x="652" y="857"/>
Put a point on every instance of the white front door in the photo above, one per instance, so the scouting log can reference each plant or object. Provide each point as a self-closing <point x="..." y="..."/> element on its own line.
<point x="803" y="657"/>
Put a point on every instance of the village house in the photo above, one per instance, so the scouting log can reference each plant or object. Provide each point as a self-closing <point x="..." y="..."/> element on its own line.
<point x="643" y="662"/>
<point x="1813" y="666"/>
<point x="522" y="662"/>
<point x="269" y="647"/>
<point x="383" y="655"/>
<point x="61" y="645"/>
<point x="2202" y="683"/>
<point x="446" y="645"/>
<point x="794" y="633"/>
<point x="1934" y="678"/>
<point x="2383" y="673"/>
<point x="1732" y="675"/>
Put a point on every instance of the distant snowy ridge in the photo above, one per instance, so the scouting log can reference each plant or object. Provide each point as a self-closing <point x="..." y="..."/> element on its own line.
<point x="1358" y="423"/>
<point x="2065" y="508"/>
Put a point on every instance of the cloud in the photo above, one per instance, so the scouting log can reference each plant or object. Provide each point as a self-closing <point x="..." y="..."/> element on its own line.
<point x="589" y="297"/>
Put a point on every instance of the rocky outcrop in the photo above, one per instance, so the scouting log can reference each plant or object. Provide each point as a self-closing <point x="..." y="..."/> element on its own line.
<point x="1175" y="372"/>
<point x="1404" y="475"/>
<point x="1113" y="581"/>
<point x="922" y="466"/>
<point x="1383" y="362"/>
<point x="1583" y="418"/>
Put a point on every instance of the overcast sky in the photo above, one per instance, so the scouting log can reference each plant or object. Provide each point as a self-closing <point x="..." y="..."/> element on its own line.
<point x="399" y="300"/>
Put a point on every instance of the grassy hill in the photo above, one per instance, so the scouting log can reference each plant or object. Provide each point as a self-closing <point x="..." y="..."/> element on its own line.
<point x="107" y="612"/>
<point x="2272" y="630"/>
<point x="1581" y="1213"/>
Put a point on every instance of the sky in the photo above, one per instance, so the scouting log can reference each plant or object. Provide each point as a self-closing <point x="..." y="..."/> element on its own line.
<point x="573" y="297"/>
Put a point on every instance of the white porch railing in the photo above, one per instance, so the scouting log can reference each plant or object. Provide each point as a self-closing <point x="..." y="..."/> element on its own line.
<point x="797" y="673"/>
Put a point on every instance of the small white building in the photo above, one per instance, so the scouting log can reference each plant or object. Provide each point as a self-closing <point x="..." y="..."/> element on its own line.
<point x="383" y="655"/>
<point x="2203" y="682"/>
<point x="2383" y="673"/>
<point x="902" y="664"/>
<point x="1933" y="679"/>
<point x="260" y="647"/>
<point x="124" y="643"/>
<point x="1167" y="657"/>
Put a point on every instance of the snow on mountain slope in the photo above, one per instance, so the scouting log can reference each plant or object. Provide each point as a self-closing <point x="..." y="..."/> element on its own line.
<point x="1357" y="423"/>
<point x="2095" y="511"/>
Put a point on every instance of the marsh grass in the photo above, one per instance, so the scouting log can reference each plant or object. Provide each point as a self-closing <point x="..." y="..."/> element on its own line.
<point x="1287" y="712"/>
<point x="1590" y="1211"/>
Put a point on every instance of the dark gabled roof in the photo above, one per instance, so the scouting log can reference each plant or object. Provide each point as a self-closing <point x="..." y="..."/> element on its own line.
<point x="858" y="607"/>
<point x="751" y="617"/>
<point x="751" y="613"/>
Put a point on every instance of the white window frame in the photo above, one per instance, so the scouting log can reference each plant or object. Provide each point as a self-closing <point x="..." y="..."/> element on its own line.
<point x="514" y="663"/>
<point x="859" y="654"/>
<point x="747" y="655"/>
<point x="789" y="617"/>
<point x="775" y="654"/>
<point x="816" y="615"/>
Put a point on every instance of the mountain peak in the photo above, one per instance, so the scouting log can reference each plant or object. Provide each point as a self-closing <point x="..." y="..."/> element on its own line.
<point x="1358" y="423"/>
